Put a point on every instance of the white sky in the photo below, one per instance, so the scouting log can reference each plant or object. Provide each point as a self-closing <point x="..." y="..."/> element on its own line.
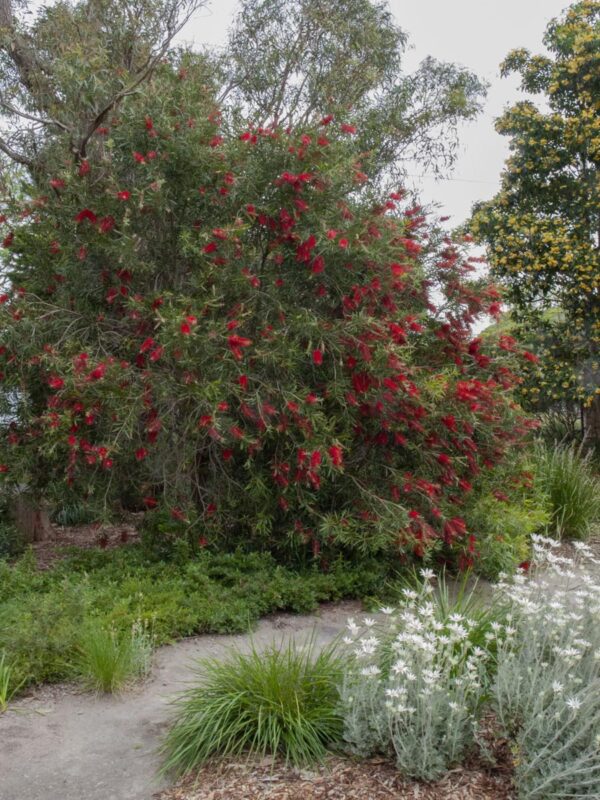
<point x="475" y="33"/>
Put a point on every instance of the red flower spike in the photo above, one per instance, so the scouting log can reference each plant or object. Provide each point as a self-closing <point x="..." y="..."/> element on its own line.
<point x="317" y="357"/>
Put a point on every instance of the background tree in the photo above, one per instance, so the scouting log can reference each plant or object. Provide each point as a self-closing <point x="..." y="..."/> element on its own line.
<point x="543" y="228"/>
<point x="295" y="61"/>
<point x="64" y="70"/>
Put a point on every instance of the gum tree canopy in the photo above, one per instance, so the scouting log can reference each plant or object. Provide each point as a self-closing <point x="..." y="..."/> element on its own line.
<point x="543" y="228"/>
<point x="233" y="324"/>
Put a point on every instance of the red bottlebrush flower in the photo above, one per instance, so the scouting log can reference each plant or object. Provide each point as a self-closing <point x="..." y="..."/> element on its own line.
<point x="315" y="459"/>
<point x="3" y="468"/>
<point x="331" y="234"/>
<point x="336" y="455"/>
<point x="178" y="514"/>
<point x="151" y="155"/>
<point x="124" y="195"/>
<point x="150" y="502"/>
<point x="317" y="357"/>
<point x="326" y="120"/>
<point x="361" y="382"/>
<point x="444" y="460"/>
<point x="525" y="566"/>
<point x="227" y="454"/>
<point x="106" y="224"/>
<point x="55" y="382"/>
<point x="209" y="248"/>
<point x="216" y="141"/>
<point x="530" y="357"/>
<point x="8" y="239"/>
<point x="318" y="265"/>
<point x="149" y="124"/>
<point x="202" y="541"/>
<point x="346" y="128"/>
<point x="146" y="345"/>
<point x="86" y="214"/>
<point x="84" y="168"/>
<point x="57" y="183"/>
<point x="243" y="382"/>
<point x="139" y="157"/>
<point x="156" y="353"/>
<point x="344" y="243"/>
<point x="141" y="453"/>
<point x="414" y="514"/>
<point x="205" y="421"/>
<point x="311" y="399"/>
<point x="97" y="373"/>
<point x="3" y="299"/>
<point x="450" y="422"/>
<point x="235" y="343"/>
<point x="223" y="406"/>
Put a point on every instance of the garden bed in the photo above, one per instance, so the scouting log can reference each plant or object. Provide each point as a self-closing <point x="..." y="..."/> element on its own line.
<point x="338" y="779"/>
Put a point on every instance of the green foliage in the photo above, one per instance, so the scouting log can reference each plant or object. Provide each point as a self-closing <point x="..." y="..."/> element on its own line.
<point x="278" y="701"/>
<point x="503" y="530"/>
<point x="295" y="62"/>
<point x="107" y="660"/>
<point x="542" y="228"/>
<point x="43" y="614"/>
<point x="571" y="483"/>
<point x="8" y="686"/>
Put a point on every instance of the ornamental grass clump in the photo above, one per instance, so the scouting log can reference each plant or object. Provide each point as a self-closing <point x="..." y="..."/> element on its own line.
<point x="280" y="701"/>
<point x="108" y="660"/>
<point x="546" y="694"/>
<point x="568" y="478"/>
<point x="415" y="684"/>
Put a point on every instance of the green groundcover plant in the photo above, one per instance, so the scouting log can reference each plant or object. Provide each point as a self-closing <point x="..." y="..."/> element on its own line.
<point x="45" y="614"/>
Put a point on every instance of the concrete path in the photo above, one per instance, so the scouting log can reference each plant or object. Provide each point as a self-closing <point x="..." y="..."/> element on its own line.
<point x="60" y="744"/>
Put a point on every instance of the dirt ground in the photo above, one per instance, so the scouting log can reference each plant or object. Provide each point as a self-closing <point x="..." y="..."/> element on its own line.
<point x="62" y="744"/>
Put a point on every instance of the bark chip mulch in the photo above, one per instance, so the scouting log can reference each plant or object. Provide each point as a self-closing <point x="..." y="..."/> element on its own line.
<point x="338" y="779"/>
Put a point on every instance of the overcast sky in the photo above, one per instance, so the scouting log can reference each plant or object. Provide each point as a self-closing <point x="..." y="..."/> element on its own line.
<point x="476" y="33"/>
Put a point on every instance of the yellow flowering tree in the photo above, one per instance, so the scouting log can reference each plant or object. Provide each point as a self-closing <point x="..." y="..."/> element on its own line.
<point x="542" y="229"/>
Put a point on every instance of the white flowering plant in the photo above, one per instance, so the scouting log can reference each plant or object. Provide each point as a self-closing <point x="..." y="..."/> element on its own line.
<point x="416" y="682"/>
<point x="546" y="693"/>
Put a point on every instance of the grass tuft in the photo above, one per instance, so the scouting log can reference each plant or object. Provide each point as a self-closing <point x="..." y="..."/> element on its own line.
<point x="572" y="487"/>
<point x="281" y="701"/>
<point x="107" y="660"/>
<point x="8" y="683"/>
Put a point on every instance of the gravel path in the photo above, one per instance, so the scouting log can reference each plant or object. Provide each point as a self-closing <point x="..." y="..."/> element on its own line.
<point x="60" y="744"/>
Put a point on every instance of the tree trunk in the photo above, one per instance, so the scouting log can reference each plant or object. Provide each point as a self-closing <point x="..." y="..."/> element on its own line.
<point x="31" y="519"/>
<point x="591" y="422"/>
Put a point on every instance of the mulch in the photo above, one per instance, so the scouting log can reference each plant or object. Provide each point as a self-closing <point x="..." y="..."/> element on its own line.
<point x="84" y="537"/>
<point x="338" y="779"/>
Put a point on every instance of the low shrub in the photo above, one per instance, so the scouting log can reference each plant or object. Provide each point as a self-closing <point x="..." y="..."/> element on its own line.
<point x="573" y="489"/>
<point x="503" y="531"/>
<point x="280" y="701"/>
<point x="107" y="660"/>
<point x="415" y="683"/>
<point x="546" y="694"/>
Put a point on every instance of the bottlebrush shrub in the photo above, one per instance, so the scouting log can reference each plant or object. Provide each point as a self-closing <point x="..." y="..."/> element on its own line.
<point x="547" y="689"/>
<point x="240" y="327"/>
